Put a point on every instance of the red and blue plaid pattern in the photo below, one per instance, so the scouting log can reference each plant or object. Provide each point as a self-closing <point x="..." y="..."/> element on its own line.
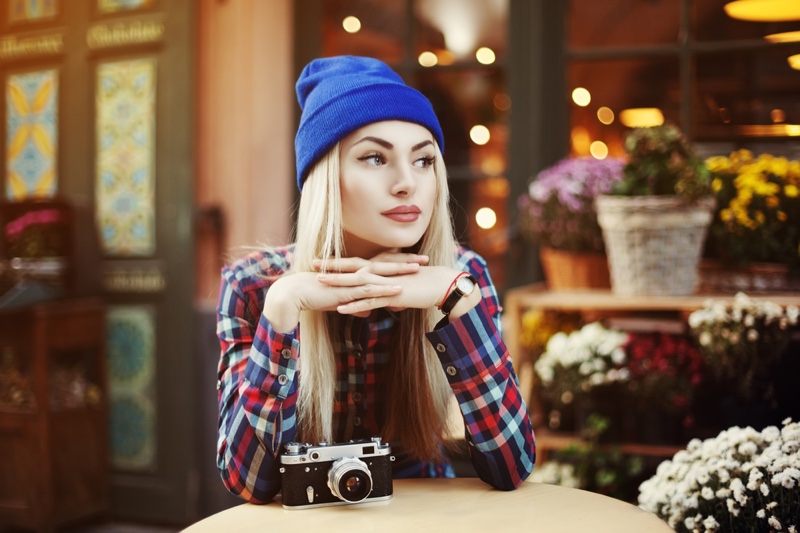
<point x="258" y="378"/>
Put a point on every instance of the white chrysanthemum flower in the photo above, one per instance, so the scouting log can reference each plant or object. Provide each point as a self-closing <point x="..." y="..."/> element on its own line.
<point x="775" y="523"/>
<point x="761" y="513"/>
<point x="711" y="524"/>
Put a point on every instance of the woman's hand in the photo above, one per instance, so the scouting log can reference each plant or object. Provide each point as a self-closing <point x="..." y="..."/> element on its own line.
<point x="422" y="286"/>
<point x="374" y="282"/>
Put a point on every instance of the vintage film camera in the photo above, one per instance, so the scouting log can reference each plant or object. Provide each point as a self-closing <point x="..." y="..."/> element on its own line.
<point x="336" y="474"/>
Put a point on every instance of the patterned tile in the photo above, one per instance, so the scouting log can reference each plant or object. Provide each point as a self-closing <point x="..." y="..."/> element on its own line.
<point x="131" y="382"/>
<point x="32" y="134"/>
<point x="125" y="166"/>
<point x="32" y="10"/>
<point x="114" y="6"/>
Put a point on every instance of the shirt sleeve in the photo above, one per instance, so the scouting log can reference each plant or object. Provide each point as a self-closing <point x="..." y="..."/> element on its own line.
<point x="476" y="362"/>
<point x="257" y="393"/>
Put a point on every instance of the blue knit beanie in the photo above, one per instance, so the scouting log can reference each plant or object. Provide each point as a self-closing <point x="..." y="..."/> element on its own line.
<point x="339" y="95"/>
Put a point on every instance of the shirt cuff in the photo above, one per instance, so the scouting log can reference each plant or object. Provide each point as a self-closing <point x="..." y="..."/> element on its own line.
<point x="272" y="365"/>
<point x="470" y="347"/>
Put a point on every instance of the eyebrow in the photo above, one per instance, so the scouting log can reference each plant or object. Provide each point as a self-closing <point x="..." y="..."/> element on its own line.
<point x="386" y="144"/>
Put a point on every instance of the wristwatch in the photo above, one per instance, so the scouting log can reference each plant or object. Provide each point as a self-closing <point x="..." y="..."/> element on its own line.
<point x="463" y="287"/>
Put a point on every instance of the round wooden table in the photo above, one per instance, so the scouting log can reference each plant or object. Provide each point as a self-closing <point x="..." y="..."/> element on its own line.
<point x="463" y="504"/>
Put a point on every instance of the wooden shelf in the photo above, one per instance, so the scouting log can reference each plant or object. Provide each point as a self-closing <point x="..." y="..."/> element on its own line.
<point x="57" y="468"/>
<point x="594" y="305"/>
<point x="547" y="441"/>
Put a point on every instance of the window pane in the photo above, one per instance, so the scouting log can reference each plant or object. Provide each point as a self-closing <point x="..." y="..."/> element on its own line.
<point x="454" y="30"/>
<point x="746" y="94"/>
<point x="616" y="86"/>
<point x="372" y="28"/>
<point x="711" y="23"/>
<point x="465" y="99"/>
<point x="592" y="23"/>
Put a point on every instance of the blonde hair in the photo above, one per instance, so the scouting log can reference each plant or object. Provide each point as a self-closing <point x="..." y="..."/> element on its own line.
<point x="418" y="394"/>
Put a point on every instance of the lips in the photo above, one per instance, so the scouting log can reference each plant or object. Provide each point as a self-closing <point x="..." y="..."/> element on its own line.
<point x="403" y="213"/>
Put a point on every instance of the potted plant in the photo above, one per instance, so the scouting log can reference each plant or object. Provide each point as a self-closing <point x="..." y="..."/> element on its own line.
<point x="585" y="371"/>
<point x="755" y="233"/>
<point x="655" y="219"/>
<point x="740" y="480"/>
<point x="666" y="371"/>
<point x="741" y="341"/>
<point x="538" y="326"/>
<point x="558" y="215"/>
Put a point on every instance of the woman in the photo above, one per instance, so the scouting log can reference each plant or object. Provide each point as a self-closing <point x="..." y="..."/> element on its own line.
<point x="368" y="325"/>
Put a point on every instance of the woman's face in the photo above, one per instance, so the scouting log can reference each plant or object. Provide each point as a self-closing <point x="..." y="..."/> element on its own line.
<point x="388" y="186"/>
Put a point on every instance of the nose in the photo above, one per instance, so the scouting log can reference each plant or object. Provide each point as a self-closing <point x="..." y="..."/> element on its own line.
<point x="403" y="183"/>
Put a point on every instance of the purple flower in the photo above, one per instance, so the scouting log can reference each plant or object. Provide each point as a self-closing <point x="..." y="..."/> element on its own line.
<point x="563" y="196"/>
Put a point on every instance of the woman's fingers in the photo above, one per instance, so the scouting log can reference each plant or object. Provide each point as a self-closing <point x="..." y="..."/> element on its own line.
<point x="377" y="273"/>
<point x="363" y="298"/>
<point x="377" y="264"/>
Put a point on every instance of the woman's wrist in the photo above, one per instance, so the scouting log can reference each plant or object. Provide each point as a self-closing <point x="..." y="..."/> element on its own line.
<point x="466" y="303"/>
<point x="280" y="308"/>
<point x="461" y="295"/>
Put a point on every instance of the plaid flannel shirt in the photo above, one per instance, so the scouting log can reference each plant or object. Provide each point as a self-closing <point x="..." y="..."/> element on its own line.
<point x="258" y="379"/>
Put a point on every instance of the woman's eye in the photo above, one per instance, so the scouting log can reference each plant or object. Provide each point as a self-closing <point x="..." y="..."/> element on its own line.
<point x="373" y="159"/>
<point x="425" y="162"/>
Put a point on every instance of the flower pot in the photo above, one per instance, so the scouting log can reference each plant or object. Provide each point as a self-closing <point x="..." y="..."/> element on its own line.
<point x="574" y="270"/>
<point x="717" y="277"/>
<point x="653" y="243"/>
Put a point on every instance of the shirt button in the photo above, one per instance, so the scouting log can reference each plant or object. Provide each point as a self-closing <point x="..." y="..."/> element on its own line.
<point x="356" y="396"/>
<point x="282" y="379"/>
<point x="357" y="354"/>
<point x="286" y="353"/>
<point x="357" y="421"/>
<point x="441" y="348"/>
<point x="451" y="371"/>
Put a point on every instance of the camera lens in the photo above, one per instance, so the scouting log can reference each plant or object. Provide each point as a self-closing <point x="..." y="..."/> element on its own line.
<point x="350" y="480"/>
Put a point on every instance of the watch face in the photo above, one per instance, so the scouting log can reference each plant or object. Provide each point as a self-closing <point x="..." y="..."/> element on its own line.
<point x="465" y="285"/>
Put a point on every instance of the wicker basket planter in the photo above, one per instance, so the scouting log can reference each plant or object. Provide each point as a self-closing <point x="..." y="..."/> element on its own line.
<point x="653" y="243"/>
<point x="574" y="270"/>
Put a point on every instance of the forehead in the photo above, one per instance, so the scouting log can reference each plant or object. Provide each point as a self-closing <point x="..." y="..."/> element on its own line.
<point x="393" y="131"/>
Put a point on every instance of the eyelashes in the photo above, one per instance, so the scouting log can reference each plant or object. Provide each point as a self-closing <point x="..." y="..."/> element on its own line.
<point x="376" y="159"/>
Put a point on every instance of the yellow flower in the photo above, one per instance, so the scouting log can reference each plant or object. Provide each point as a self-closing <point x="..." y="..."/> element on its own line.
<point x="781" y="216"/>
<point x="726" y="215"/>
<point x="716" y="184"/>
<point x="718" y="164"/>
<point x="791" y="191"/>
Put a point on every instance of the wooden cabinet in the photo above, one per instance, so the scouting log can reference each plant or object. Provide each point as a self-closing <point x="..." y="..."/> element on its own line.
<point x="53" y="414"/>
<point x="596" y="305"/>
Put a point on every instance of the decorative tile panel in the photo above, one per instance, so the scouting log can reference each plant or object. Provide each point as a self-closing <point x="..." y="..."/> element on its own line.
<point x="125" y="166"/>
<point x="113" y="6"/>
<point x="32" y="134"/>
<point x="32" y="10"/>
<point x="131" y="348"/>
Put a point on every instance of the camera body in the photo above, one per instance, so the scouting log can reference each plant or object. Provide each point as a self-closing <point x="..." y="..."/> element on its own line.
<point x="336" y="474"/>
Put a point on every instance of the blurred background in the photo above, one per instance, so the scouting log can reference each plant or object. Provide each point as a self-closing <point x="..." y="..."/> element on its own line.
<point x="147" y="142"/>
